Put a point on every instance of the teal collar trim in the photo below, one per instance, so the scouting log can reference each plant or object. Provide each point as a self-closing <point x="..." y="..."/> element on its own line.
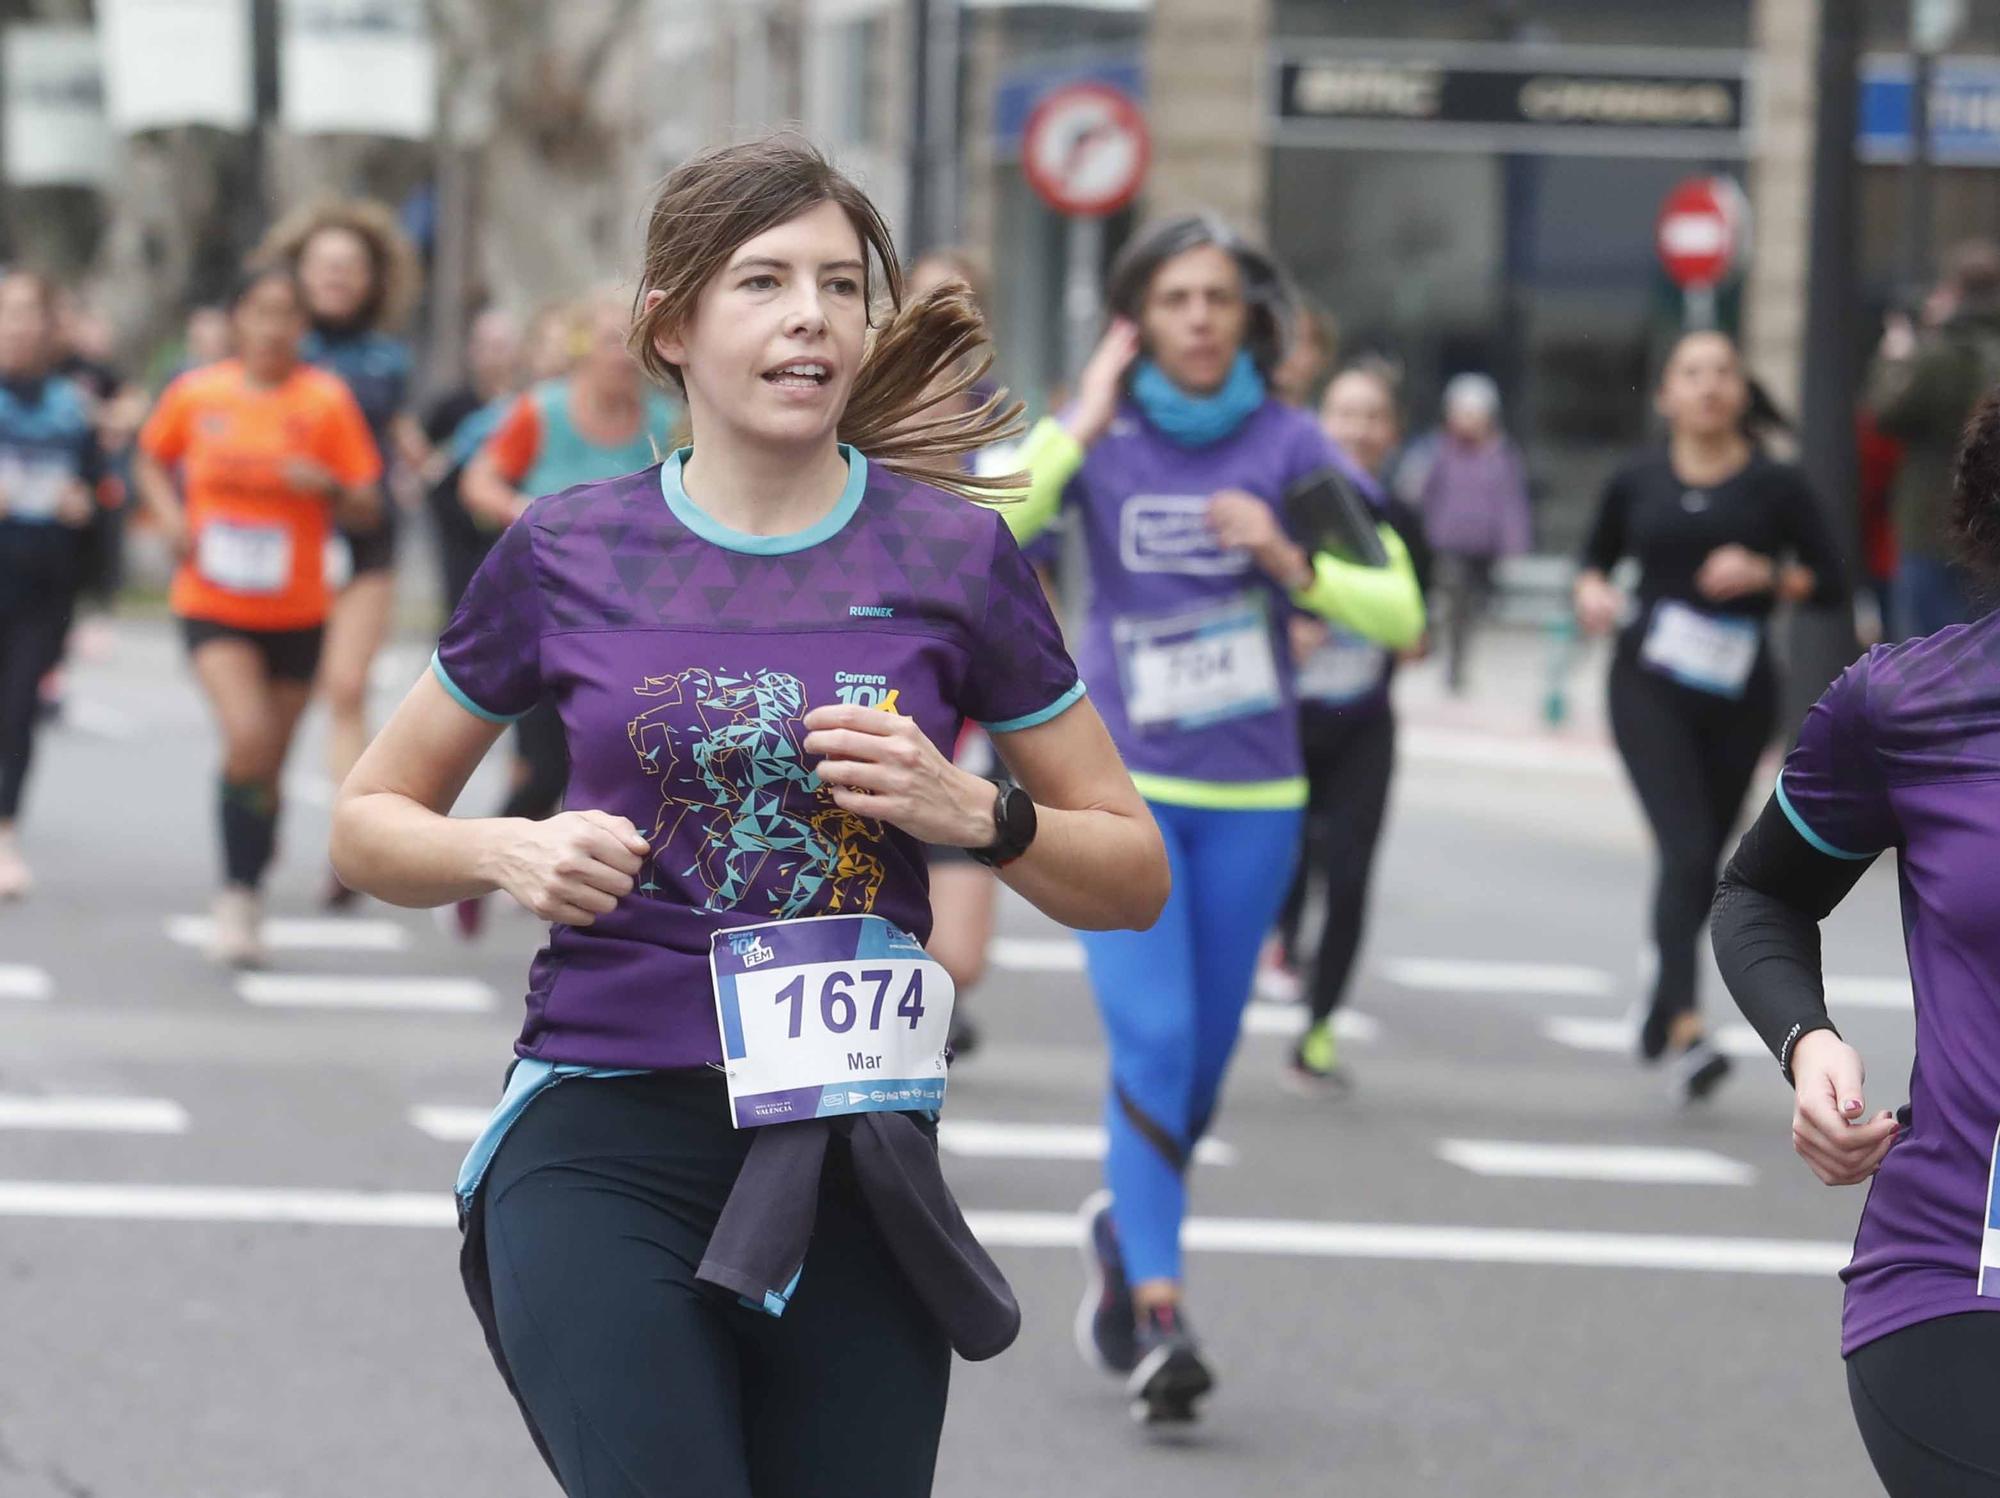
<point x="712" y="530"/>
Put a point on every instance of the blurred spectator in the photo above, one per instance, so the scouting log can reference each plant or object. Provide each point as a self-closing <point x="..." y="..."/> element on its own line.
<point x="1468" y="482"/>
<point x="1880" y="456"/>
<point x="1921" y="390"/>
<point x="455" y="425"/>
<point x="206" y="337"/>
<point x="1315" y="340"/>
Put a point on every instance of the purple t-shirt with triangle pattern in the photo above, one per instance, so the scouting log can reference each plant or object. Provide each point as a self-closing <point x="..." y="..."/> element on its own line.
<point x="682" y="657"/>
<point x="1903" y="752"/>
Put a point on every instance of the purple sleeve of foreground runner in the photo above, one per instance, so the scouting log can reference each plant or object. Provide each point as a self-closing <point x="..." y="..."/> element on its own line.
<point x="1833" y="787"/>
<point x="1021" y="674"/>
<point x="490" y="653"/>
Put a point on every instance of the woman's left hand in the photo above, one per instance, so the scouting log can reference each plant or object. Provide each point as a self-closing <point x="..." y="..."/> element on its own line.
<point x="1243" y="522"/>
<point x="1734" y="571"/>
<point x="882" y="766"/>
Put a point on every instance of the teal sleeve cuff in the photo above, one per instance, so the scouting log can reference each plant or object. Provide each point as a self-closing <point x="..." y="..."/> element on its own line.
<point x="1055" y="709"/>
<point x="1799" y="825"/>
<point x="457" y="694"/>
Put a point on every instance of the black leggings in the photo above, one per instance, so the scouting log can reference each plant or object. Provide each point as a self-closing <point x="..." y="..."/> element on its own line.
<point x="543" y="752"/>
<point x="641" y="1383"/>
<point x="33" y="621"/>
<point x="1690" y="755"/>
<point x="1924" y="1398"/>
<point x="1349" y="761"/>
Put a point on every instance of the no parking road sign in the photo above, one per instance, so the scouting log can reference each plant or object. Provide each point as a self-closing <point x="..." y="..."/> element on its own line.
<point x="1086" y="149"/>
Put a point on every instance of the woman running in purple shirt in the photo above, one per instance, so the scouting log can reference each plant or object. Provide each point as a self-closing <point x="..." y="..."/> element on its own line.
<point x="757" y="649"/>
<point x="1902" y="752"/>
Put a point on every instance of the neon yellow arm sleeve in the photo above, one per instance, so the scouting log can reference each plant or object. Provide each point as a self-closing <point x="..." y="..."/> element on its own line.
<point x="1382" y="604"/>
<point x="1051" y="457"/>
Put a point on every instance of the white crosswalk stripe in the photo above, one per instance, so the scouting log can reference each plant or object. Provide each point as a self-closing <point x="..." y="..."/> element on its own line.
<point x="301" y="934"/>
<point x="1036" y="954"/>
<point x="85" y="1114"/>
<point x="974" y="1139"/>
<point x="1454" y="975"/>
<point x="1642" y="1164"/>
<point x="1289" y="1020"/>
<point x="1616" y="1036"/>
<point x="1404" y="1242"/>
<point x="30" y="984"/>
<point x="339" y="991"/>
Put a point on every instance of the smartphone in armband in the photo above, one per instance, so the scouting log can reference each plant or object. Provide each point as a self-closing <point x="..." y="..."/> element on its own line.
<point x="1328" y="513"/>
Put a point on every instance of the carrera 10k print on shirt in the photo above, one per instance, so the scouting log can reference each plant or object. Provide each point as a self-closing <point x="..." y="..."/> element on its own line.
<point x="683" y="657"/>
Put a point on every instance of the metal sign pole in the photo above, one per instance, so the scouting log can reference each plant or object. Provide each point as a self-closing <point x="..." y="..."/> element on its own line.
<point x="1083" y="298"/>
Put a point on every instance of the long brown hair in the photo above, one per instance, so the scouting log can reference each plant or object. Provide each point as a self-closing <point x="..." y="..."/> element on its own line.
<point x="905" y="411"/>
<point x="397" y="273"/>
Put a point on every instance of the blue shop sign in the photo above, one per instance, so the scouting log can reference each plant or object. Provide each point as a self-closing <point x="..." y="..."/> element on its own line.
<point x="1965" y="111"/>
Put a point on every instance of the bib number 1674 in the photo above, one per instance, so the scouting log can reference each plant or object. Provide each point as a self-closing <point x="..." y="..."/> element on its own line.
<point x="844" y="997"/>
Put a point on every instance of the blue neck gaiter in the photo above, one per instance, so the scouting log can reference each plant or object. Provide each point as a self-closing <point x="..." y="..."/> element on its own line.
<point x="1198" y="420"/>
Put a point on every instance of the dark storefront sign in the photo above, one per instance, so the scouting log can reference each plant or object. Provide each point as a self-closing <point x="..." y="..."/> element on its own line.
<point x="1497" y="99"/>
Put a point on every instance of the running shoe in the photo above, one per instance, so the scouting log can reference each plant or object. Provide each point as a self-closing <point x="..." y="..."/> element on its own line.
<point x="15" y="880"/>
<point x="1314" y="1068"/>
<point x="1277" y="981"/>
<point x="1106" y="1330"/>
<point x="238" y="940"/>
<point x="1698" y="1070"/>
<point x="963" y="1038"/>
<point x="1171" y="1375"/>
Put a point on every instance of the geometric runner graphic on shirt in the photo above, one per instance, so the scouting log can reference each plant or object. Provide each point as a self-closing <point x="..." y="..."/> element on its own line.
<point x="738" y="807"/>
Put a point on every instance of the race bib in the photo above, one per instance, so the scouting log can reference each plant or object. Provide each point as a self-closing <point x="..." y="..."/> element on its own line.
<point x="245" y="558"/>
<point x="1989" y="1243"/>
<point x="1206" y="666"/>
<point x="1344" y="669"/>
<point x="1708" y="652"/>
<point x="33" y="491"/>
<point x="828" y="1015"/>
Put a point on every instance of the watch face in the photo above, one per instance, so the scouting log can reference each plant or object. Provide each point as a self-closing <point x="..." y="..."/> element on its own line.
<point x="1017" y="819"/>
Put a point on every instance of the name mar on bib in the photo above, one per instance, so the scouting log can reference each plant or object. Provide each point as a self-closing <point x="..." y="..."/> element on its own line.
<point x="829" y="1015"/>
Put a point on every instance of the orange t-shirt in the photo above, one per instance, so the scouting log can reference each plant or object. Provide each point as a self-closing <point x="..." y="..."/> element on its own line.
<point x="517" y="441"/>
<point x="258" y="556"/>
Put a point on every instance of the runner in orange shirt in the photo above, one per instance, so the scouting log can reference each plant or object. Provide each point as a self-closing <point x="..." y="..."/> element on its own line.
<point x="271" y="452"/>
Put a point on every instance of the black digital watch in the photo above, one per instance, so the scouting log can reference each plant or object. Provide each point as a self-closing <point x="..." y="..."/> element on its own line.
<point x="1013" y="826"/>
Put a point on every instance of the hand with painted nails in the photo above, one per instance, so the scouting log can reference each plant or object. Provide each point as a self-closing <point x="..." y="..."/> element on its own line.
<point x="1828" y="1130"/>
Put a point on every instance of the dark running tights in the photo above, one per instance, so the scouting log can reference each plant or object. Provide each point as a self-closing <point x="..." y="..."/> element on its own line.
<point x="543" y="752"/>
<point x="1924" y="1398"/>
<point x="643" y="1383"/>
<point x="1349" y="761"/>
<point x="31" y="638"/>
<point x="1690" y="755"/>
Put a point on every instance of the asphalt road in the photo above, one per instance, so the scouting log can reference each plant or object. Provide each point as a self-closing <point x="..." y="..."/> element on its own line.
<point x="1505" y="1265"/>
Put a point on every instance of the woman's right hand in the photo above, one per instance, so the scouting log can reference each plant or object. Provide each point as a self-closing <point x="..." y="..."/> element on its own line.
<point x="1599" y="604"/>
<point x="1827" y="1127"/>
<point x="1103" y="381"/>
<point x="570" y="868"/>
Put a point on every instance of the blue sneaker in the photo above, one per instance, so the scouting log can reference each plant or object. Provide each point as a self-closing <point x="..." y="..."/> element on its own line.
<point x="1170" y="1375"/>
<point x="1107" y="1332"/>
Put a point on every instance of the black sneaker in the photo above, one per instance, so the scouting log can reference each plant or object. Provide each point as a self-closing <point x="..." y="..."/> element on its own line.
<point x="963" y="1038"/>
<point x="1170" y="1376"/>
<point x="1698" y="1070"/>
<point x="1107" y="1333"/>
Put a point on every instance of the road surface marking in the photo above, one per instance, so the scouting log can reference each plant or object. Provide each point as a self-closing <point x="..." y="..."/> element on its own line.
<point x="1651" y="1165"/>
<point x="1289" y="1021"/>
<point x="1036" y="954"/>
<point x="108" y="1115"/>
<point x="27" y="983"/>
<point x="300" y="934"/>
<point x="1400" y="1242"/>
<point x="1452" y="975"/>
<point x="1617" y="1037"/>
<point x="975" y="1139"/>
<point x="338" y="991"/>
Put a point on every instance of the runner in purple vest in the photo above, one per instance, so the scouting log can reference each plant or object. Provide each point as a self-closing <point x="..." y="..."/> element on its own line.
<point x="761" y="651"/>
